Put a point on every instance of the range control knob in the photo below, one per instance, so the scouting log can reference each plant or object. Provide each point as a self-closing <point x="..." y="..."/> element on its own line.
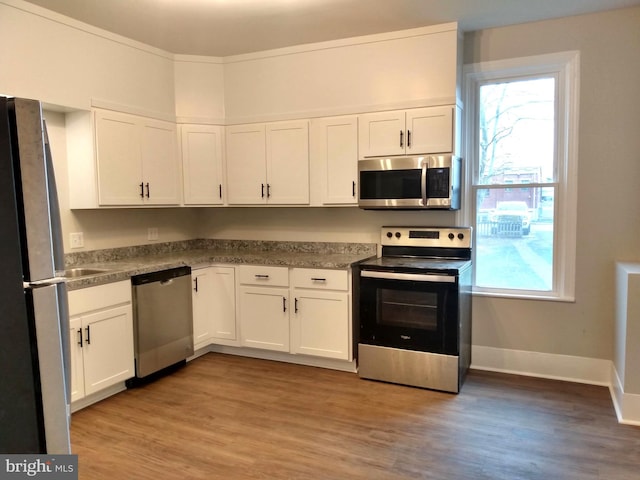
<point x="389" y="234"/>
<point x="451" y="236"/>
<point x="398" y="234"/>
<point x="461" y="236"/>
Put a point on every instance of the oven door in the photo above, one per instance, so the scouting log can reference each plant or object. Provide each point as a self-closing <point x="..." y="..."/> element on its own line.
<point x="409" y="311"/>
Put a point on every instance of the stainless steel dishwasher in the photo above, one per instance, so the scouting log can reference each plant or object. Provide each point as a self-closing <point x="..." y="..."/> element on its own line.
<point x="162" y="319"/>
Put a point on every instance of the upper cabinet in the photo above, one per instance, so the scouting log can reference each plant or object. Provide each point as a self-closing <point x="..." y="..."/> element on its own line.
<point x="117" y="159"/>
<point x="268" y="163"/>
<point x="334" y="160"/>
<point x="407" y="132"/>
<point x="137" y="160"/>
<point x="202" y="166"/>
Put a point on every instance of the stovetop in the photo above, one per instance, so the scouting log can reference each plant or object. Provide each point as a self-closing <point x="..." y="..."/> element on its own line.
<point x="423" y="265"/>
<point x="442" y="250"/>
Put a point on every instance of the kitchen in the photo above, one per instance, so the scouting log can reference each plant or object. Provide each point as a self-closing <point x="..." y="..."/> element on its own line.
<point x="520" y="331"/>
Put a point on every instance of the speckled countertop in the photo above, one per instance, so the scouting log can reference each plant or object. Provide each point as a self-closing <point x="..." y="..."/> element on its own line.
<point x="123" y="263"/>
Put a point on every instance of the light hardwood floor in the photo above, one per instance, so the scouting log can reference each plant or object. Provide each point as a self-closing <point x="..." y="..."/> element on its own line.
<point x="227" y="417"/>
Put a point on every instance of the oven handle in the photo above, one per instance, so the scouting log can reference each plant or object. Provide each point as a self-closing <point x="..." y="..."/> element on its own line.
<point x="414" y="277"/>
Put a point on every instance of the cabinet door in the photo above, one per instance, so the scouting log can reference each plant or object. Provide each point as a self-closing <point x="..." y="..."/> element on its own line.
<point x="202" y="300"/>
<point x="381" y="133"/>
<point x="264" y="318"/>
<point x="430" y="130"/>
<point x="334" y="147"/>
<point x="246" y="168"/>
<point x="160" y="169"/>
<point x="288" y="162"/>
<point x="202" y="164"/>
<point x="223" y="311"/>
<point x="76" y="337"/>
<point x="320" y="324"/>
<point x="108" y="348"/>
<point x="118" y="158"/>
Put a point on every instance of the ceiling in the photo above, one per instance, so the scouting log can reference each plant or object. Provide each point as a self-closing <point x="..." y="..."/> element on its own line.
<point x="230" y="27"/>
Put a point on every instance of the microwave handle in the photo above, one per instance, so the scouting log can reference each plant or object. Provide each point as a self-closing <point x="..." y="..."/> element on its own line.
<point x="423" y="182"/>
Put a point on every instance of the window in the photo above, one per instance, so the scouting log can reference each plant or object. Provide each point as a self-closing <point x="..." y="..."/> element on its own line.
<point x="522" y="149"/>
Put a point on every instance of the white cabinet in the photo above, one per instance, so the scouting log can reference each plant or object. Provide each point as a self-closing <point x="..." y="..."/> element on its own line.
<point x="101" y="328"/>
<point x="406" y="132"/>
<point x="333" y="146"/>
<point x="136" y="161"/>
<point x="321" y="319"/>
<point x="264" y="307"/>
<point x="268" y="163"/>
<point x="202" y="172"/>
<point x="214" y="306"/>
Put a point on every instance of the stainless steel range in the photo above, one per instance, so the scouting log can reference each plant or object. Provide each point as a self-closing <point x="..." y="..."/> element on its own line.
<point x="414" y="308"/>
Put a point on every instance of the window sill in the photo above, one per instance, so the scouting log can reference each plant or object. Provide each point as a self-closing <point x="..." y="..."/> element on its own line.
<point x="524" y="296"/>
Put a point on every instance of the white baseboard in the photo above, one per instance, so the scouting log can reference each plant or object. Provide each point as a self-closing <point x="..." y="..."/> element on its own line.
<point x="627" y="405"/>
<point x="593" y="371"/>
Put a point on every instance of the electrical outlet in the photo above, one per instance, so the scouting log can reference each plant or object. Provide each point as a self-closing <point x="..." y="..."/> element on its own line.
<point x="77" y="240"/>
<point x="152" y="234"/>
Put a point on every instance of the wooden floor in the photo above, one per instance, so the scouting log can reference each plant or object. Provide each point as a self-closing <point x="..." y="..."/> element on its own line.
<point x="227" y="417"/>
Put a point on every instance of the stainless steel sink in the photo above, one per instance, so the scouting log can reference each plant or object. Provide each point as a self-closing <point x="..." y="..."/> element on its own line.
<point x="83" y="272"/>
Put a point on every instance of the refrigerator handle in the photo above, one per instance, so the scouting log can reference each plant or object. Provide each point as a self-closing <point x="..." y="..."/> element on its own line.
<point x="55" y="403"/>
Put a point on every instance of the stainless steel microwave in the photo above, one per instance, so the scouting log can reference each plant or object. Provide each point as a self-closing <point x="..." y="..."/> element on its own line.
<point x="426" y="182"/>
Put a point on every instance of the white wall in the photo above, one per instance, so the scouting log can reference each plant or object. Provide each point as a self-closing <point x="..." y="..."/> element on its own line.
<point x="63" y="62"/>
<point x="341" y="77"/>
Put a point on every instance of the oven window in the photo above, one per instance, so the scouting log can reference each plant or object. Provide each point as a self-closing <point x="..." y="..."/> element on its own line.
<point x="407" y="309"/>
<point x="390" y="184"/>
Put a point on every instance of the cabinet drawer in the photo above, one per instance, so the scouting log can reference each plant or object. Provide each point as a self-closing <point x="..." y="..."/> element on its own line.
<point x="100" y="297"/>
<point x="260" y="275"/>
<point x="320" y="279"/>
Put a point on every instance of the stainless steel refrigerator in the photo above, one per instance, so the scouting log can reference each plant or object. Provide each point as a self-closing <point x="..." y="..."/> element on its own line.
<point x="34" y="332"/>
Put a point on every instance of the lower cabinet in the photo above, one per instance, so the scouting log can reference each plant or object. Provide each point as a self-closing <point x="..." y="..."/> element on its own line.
<point x="321" y="319"/>
<point x="101" y="334"/>
<point x="294" y="310"/>
<point x="214" y="306"/>
<point x="264" y="307"/>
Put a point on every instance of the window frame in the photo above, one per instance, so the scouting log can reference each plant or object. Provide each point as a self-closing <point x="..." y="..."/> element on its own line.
<point x="565" y="67"/>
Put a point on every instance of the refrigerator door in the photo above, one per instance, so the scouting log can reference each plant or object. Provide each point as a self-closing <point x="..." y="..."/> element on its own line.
<point x="20" y="418"/>
<point x="32" y="189"/>
<point x="55" y="406"/>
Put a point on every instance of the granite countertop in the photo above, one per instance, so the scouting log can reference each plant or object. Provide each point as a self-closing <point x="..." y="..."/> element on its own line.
<point x="123" y="263"/>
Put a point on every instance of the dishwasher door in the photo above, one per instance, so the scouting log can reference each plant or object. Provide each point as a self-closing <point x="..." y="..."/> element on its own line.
<point x="163" y="319"/>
